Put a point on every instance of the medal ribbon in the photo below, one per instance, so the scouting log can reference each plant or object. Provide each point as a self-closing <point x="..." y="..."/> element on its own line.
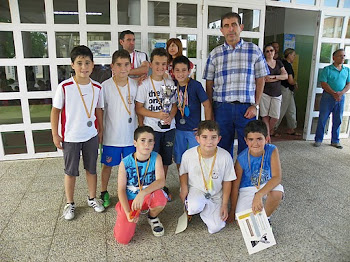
<point x="181" y="104"/>
<point x="82" y="98"/>
<point x="133" y="59"/>
<point x="120" y="94"/>
<point x="210" y="178"/>
<point x="137" y="172"/>
<point x="261" y="167"/>
<point x="155" y="91"/>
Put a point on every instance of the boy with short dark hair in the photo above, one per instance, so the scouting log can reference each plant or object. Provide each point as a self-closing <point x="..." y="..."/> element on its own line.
<point x="149" y="104"/>
<point x="206" y="175"/>
<point x="190" y="97"/>
<point x="119" y="118"/>
<point x="140" y="179"/>
<point x="76" y="100"/>
<point x="258" y="171"/>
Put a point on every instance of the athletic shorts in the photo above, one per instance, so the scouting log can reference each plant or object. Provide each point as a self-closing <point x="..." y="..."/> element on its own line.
<point x="71" y="155"/>
<point x="112" y="155"/>
<point x="183" y="140"/>
<point x="164" y="144"/>
<point x="270" y="106"/>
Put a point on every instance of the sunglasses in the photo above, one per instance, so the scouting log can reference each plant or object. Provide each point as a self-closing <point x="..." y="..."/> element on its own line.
<point x="270" y="50"/>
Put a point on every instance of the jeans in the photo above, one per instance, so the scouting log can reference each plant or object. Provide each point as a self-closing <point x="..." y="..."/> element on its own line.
<point x="328" y="105"/>
<point x="230" y="118"/>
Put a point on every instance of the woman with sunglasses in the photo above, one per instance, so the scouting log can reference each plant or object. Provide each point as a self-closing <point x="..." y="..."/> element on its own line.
<point x="270" y="103"/>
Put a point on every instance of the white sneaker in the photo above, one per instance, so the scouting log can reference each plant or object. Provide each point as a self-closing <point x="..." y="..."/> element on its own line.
<point x="157" y="227"/>
<point x="68" y="211"/>
<point x="97" y="204"/>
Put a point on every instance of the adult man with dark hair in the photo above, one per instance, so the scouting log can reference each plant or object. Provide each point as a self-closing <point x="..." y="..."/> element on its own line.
<point x="139" y="60"/>
<point x="234" y="75"/>
<point x="335" y="81"/>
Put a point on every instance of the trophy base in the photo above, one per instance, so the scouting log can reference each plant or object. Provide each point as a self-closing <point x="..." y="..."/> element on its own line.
<point x="163" y="126"/>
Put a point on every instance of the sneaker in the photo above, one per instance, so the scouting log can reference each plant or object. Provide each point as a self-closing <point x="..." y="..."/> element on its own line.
<point x="317" y="144"/>
<point x="337" y="145"/>
<point x="97" y="204"/>
<point x="166" y="190"/>
<point x="68" y="211"/>
<point x="157" y="227"/>
<point x="106" y="200"/>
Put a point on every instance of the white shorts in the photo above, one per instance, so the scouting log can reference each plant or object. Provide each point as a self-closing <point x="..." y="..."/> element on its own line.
<point x="208" y="209"/>
<point x="270" y="106"/>
<point x="246" y="196"/>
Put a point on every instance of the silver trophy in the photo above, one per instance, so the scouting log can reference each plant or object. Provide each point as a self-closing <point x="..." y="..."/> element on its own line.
<point x="167" y="93"/>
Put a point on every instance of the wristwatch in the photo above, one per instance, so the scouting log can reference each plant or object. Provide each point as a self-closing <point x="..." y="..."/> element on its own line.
<point x="256" y="106"/>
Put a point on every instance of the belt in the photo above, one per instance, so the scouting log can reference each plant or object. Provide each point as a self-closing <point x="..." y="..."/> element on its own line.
<point x="238" y="102"/>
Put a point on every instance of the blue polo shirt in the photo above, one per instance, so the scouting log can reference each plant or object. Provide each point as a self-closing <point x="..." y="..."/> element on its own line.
<point x="336" y="79"/>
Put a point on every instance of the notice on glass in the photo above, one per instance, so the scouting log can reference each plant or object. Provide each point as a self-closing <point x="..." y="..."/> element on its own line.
<point x="100" y="48"/>
<point x="256" y="230"/>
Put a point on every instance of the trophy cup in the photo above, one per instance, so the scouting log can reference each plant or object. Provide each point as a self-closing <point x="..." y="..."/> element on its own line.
<point x="167" y="93"/>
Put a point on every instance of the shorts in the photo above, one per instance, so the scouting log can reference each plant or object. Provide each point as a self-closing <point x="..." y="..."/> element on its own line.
<point x="270" y="106"/>
<point x="125" y="230"/>
<point x="246" y="196"/>
<point x="164" y="144"/>
<point x="112" y="155"/>
<point x="183" y="140"/>
<point x="71" y="155"/>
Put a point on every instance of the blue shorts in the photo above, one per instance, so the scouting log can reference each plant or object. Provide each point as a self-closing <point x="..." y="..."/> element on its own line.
<point x="164" y="144"/>
<point x="112" y="155"/>
<point x="183" y="140"/>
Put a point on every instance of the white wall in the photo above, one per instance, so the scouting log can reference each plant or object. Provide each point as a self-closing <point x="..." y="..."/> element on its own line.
<point x="300" y="22"/>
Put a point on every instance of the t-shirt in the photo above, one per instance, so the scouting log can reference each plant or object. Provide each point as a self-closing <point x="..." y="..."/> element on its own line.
<point x="132" y="185"/>
<point x="250" y="176"/>
<point x="274" y="89"/>
<point x="137" y="58"/>
<point x="336" y="79"/>
<point x="147" y="96"/>
<point x="290" y="71"/>
<point x="74" y="119"/>
<point x="223" y="170"/>
<point x="117" y="129"/>
<point x="196" y="96"/>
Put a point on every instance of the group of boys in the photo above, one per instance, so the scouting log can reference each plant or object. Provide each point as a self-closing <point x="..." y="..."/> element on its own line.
<point x="93" y="113"/>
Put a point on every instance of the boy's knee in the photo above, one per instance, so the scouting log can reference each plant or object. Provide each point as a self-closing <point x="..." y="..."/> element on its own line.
<point x="275" y="195"/>
<point x="216" y="228"/>
<point x="194" y="207"/>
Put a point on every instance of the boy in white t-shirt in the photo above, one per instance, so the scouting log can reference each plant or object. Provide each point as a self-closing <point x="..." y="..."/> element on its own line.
<point x="148" y="104"/>
<point x="206" y="175"/>
<point x="119" y="118"/>
<point x="75" y="101"/>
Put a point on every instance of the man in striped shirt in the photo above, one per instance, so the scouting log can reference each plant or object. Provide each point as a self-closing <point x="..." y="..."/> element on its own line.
<point x="234" y="75"/>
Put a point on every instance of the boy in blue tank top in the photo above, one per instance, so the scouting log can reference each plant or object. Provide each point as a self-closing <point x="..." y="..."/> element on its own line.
<point x="259" y="174"/>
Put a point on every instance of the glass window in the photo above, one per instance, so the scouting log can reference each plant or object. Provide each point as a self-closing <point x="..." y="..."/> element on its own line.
<point x="38" y="78"/>
<point x="10" y="112"/>
<point x="214" y="41"/>
<point x="7" y="48"/>
<point x="101" y="73"/>
<point x="64" y="72"/>
<point x="189" y="45"/>
<point x="157" y="40"/>
<point x="32" y="11"/>
<point x="317" y="102"/>
<point x="137" y="41"/>
<point x="318" y="77"/>
<point x="314" y="126"/>
<point x="347" y="103"/>
<point x="35" y="44"/>
<point x="8" y="79"/>
<point x="99" y="43"/>
<point x="306" y="2"/>
<point x="43" y="141"/>
<point x="327" y="51"/>
<point x="250" y="19"/>
<point x="347" y="3"/>
<point x="97" y="12"/>
<point x="186" y="15"/>
<point x="65" y="41"/>
<point x="286" y="1"/>
<point x="14" y="142"/>
<point x="332" y="3"/>
<point x="348" y="30"/>
<point x="66" y="11"/>
<point x="40" y="110"/>
<point x="344" y="125"/>
<point x="332" y="26"/>
<point x="129" y="12"/>
<point x="252" y="40"/>
<point x="5" y="15"/>
<point x="214" y="15"/>
<point x="347" y="54"/>
<point x="158" y="13"/>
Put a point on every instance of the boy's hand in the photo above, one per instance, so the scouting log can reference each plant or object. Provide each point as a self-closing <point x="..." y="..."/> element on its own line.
<point x="162" y="115"/>
<point x="257" y="205"/>
<point x="231" y="216"/>
<point x="183" y="194"/>
<point x="138" y="201"/>
<point x="224" y="212"/>
<point x="132" y="220"/>
<point x="57" y="140"/>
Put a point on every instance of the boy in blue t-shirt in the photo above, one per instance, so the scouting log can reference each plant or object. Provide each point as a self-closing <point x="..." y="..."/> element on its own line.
<point x="190" y="96"/>
<point x="259" y="174"/>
